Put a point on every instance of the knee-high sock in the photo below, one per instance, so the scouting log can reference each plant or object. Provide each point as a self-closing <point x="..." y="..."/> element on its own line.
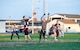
<point x="25" y="37"/>
<point x="29" y="37"/>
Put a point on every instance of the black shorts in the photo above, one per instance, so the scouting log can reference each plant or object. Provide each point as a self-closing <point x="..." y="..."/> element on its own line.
<point x="51" y="32"/>
<point x="26" y="32"/>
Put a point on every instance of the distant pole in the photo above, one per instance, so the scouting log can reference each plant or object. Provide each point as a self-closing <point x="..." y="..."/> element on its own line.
<point x="9" y="22"/>
<point x="32" y="17"/>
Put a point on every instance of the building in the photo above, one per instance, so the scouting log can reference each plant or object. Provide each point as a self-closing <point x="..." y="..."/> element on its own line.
<point x="69" y="22"/>
<point x="2" y="26"/>
<point x="73" y="17"/>
<point x="6" y="25"/>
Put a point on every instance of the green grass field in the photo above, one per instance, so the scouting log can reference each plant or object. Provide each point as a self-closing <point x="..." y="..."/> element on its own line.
<point x="68" y="42"/>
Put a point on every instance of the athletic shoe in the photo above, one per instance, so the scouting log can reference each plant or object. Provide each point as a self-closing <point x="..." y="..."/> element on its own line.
<point x="56" y="39"/>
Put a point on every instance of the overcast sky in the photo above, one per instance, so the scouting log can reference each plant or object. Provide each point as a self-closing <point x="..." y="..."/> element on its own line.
<point x="17" y="8"/>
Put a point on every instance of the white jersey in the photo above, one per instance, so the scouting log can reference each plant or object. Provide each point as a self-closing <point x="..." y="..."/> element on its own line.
<point x="15" y="28"/>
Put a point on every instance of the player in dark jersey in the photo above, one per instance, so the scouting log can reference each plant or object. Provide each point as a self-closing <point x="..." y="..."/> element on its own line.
<point x="43" y="30"/>
<point x="52" y="32"/>
<point x="26" y="31"/>
<point x="57" y="27"/>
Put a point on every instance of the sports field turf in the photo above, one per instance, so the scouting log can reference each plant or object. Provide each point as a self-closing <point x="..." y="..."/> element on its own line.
<point x="70" y="41"/>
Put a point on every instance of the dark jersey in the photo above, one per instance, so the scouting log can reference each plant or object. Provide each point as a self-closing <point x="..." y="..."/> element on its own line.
<point x="26" y="23"/>
<point x="57" y="25"/>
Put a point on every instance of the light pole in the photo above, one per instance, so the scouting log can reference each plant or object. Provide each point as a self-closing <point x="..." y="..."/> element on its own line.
<point x="32" y="17"/>
<point x="9" y="24"/>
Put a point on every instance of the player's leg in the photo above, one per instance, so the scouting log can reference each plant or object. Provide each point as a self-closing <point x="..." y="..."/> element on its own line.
<point x="62" y="33"/>
<point x="44" y="35"/>
<point x="12" y="35"/>
<point x="17" y="35"/>
<point x="29" y="37"/>
<point x="55" y="38"/>
<point x="25" y="35"/>
<point x="40" y="35"/>
<point x="49" y="34"/>
<point x="57" y="33"/>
